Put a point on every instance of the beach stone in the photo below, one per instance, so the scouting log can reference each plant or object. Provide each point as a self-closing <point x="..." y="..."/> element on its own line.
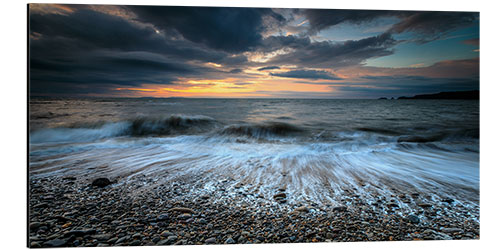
<point x="413" y="219"/>
<point x="163" y="217"/>
<point x="170" y="240"/>
<point x="102" y="237"/>
<point x="54" y="243"/>
<point x="122" y="239"/>
<point x="41" y="205"/>
<point x="424" y="205"/>
<point x="35" y="225"/>
<point x="162" y="242"/>
<point x="135" y="243"/>
<point x="112" y="240"/>
<point x="442" y="236"/>
<point x="76" y="243"/>
<point x="451" y="230"/>
<point x="246" y="234"/>
<point x="35" y="244"/>
<point x="339" y="209"/>
<point x="79" y="233"/>
<point x="229" y="241"/>
<point x="166" y="234"/>
<point x="280" y="195"/>
<point x="107" y="218"/>
<point x="433" y="235"/>
<point x="156" y="239"/>
<point x="101" y="182"/>
<point x="303" y="209"/>
<point x="184" y="216"/>
<point x="137" y="236"/>
<point x="182" y="210"/>
<point x="181" y="242"/>
<point x="448" y="200"/>
<point x="211" y="240"/>
<point x="392" y="204"/>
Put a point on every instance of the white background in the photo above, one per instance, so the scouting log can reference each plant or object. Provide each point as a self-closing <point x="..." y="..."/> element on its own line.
<point x="13" y="96"/>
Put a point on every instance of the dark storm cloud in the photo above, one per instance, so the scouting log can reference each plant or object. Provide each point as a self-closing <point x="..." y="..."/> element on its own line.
<point x="328" y="55"/>
<point x="109" y="63"/>
<point x="85" y="47"/>
<point x="268" y="68"/>
<point x="434" y="22"/>
<point x="101" y="71"/>
<point x="227" y="29"/>
<point x="307" y="74"/>
<point x="430" y="25"/>
<point x="273" y="43"/>
<point x="320" y="19"/>
<point x="86" y="30"/>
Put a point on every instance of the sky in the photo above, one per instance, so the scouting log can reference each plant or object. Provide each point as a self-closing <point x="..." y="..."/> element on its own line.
<point x="213" y="52"/>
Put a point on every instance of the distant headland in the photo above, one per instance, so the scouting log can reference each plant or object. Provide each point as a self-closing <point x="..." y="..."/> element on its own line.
<point x="456" y="95"/>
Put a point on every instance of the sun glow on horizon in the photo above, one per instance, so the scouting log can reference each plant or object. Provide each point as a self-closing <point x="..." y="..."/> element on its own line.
<point x="229" y="87"/>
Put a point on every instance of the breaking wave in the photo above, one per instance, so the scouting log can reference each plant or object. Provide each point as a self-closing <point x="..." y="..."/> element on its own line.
<point x="176" y="125"/>
<point x="141" y="126"/>
<point x="262" y="131"/>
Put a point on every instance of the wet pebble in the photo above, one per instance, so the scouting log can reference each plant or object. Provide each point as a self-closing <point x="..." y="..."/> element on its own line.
<point x="211" y="240"/>
<point x="229" y="241"/>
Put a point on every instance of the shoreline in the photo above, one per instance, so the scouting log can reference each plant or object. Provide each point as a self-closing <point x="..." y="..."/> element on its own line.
<point x="68" y="211"/>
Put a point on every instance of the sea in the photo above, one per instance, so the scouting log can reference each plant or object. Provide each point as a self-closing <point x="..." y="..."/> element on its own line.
<point x="317" y="149"/>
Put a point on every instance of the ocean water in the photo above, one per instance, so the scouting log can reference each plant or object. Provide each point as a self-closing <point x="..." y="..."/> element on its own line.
<point x="317" y="149"/>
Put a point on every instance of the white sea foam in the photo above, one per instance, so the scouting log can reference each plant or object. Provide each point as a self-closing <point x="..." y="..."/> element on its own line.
<point x="311" y="172"/>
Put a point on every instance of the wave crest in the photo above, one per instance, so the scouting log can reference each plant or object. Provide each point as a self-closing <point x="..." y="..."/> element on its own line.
<point x="262" y="131"/>
<point x="176" y="124"/>
<point x="141" y="126"/>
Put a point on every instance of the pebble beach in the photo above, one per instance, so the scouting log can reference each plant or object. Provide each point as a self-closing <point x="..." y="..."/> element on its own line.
<point x="72" y="212"/>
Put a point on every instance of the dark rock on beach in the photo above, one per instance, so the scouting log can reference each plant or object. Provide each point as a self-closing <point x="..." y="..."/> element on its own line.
<point x="339" y="209"/>
<point x="280" y="196"/>
<point x="211" y="240"/>
<point x="55" y="243"/>
<point x="413" y="219"/>
<point x="424" y="205"/>
<point x="101" y="182"/>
